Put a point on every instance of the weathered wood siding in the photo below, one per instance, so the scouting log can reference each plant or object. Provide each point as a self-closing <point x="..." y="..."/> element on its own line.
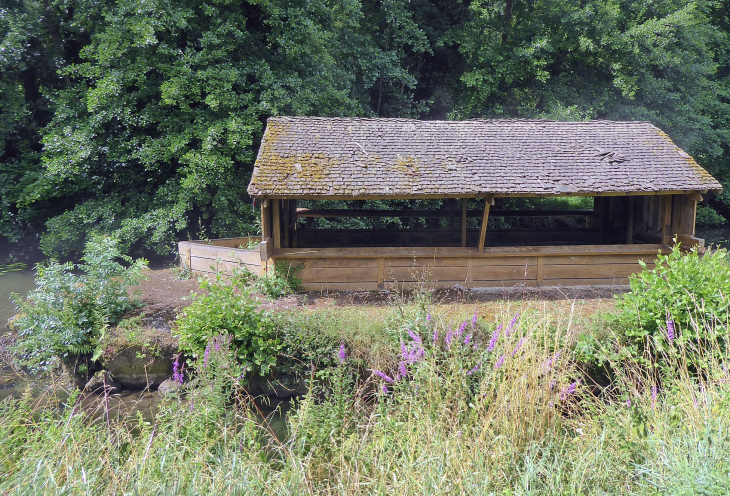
<point x="376" y="268"/>
<point x="220" y="256"/>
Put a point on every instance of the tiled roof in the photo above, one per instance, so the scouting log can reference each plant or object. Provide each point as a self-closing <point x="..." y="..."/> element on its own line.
<point x="371" y="158"/>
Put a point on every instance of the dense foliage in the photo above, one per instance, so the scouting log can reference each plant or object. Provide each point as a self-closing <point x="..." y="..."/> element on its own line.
<point x="227" y="308"/>
<point x="72" y="305"/>
<point x="142" y="119"/>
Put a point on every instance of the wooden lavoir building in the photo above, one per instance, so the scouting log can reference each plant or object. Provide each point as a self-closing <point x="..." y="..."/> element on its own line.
<point x="644" y="192"/>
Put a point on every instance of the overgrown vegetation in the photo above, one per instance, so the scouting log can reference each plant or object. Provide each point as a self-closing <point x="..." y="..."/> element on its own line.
<point x="492" y="405"/>
<point x="227" y="307"/>
<point x="73" y="304"/>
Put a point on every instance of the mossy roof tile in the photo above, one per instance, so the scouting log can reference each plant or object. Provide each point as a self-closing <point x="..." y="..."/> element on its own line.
<point x="358" y="157"/>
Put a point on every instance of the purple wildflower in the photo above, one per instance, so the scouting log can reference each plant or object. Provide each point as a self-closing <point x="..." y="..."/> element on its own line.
<point x="177" y="373"/>
<point x="512" y="325"/>
<point x="500" y="362"/>
<point x="519" y="345"/>
<point x="435" y="336"/>
<point x="206" y="356"/>
<point x="569" y="390"/>
<point x="628" y="402"/>
<point x="342" y="354"/>
<point x="385" y="389"/>
<point x="474" y="319"/>
<point x="447" y="339"/>
<point x="670" y="330"/>
<point x="474" y="370"/>
<point x="403" y="350"/>
<point x="402" y="370"/>
<point x="654" y="391"/>
<point x="461" y="330"/>
<point x="415" y="337"/>
<point x="495" y="337"/>
<point x="467" y="339"/>
<point x="416" y="354"/>
<point x="428" y="317"/>
<point x="551" y="361"/>
<point x="552" y="384"/>
<point x="383" y="376"/>
<point x="217" y="344"/>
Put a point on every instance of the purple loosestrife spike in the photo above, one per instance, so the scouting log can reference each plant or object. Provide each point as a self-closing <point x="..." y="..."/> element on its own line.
<point x="461" y="330"/>
<point x="402" y="370"/>
<point x="435" y="336"/>
<point x="342" y="354"/>
<point x="383" y="376"/>
<point x="550" y="362"/>
<point x="628" y="402"/>
<point x="670" y="330"/>
<point x="403" y="350"/>
<point x="495" y="337"/>
<point x="415" y="337"/>
<point x="500" y="362"/>
<point x="447" y="339"/>
<point x="519" y="345"/>
<point x="206" y="356"/>
<point x="467" y="339"/>
<point x="474" y="319"/>
<point x="512" y="325"/>
<point x="474" y="370"/>
<point x="177" y="373"/>
<point x="385" y="389"/>
<point x="428" y="317"/>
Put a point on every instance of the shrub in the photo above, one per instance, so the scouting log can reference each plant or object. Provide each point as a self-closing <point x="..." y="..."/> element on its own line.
<point x="281" y="281"/>
<point x="227" y="307"/>
<point x="668" y="301"/>
<point x="66" y="315"/>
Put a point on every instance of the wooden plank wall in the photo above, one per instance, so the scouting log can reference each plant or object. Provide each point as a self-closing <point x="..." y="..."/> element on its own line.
<point x="220" y="257"/>
<point x="368" y="272"/>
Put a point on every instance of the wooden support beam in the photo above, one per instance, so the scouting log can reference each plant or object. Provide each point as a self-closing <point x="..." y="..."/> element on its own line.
<point x="463" y="222"/>
<point x="630" y="221"/>
<point x="667" y="221"/>
<point x="276" y="214"/>
<point x="286" y="216"/>
<point x="540" y="270"/>
<point x="265" y="219"/>
<point x="485" y="218"/>
<point x="294" y="222"/>
<point x="434" y="214"/>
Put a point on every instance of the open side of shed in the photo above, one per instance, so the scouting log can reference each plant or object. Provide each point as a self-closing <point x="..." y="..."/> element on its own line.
<point x="644" y="189"/>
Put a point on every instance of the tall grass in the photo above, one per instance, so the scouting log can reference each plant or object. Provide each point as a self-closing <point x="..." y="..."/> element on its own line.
<point x="527" y="420"/>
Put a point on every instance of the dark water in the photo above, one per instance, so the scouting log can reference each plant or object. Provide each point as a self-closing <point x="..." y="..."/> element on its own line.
<point x="270" y="412"/>
<point x="13" y="282"/>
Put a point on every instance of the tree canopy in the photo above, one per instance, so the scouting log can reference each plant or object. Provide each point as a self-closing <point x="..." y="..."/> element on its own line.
<point x="142" y="118"/>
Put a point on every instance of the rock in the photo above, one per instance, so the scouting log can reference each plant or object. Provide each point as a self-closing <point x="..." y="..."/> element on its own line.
<point x="101" y="380"/>
<point x="139" y="357"/>
<point x="168" y="386"/>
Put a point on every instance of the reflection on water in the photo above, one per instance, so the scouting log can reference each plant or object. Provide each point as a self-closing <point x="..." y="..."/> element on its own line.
<point x="13" y="282"/>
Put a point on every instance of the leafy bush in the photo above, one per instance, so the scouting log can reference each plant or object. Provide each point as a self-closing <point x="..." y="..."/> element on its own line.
<point x="683" y="297"/>
<point x="707" y="216"/>
<point x="227" y="307"/>
<point x="279" y="282"/>
<point x="66" y="315"/>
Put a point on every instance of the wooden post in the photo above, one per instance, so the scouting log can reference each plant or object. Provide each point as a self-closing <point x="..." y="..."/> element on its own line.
<point x="265" y="219"/>
<point x="667" y="221"/>
<point x="463" y="222"/>
<point x="630" y="221"/>
<point x="286" y="215"/>
<point x="540" y="269"/>
<point x="294" y="222"/>
<point x="381" y="273"/>
<point x="276" y="214"/>
<point x="470" y="273"/>
<point x="485" y="218"/>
